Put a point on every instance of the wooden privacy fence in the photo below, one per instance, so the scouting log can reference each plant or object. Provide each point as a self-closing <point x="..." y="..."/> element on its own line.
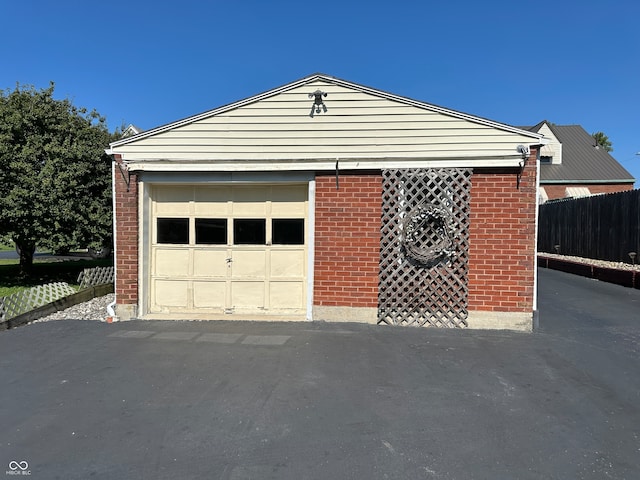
<point x="604" y="227"/>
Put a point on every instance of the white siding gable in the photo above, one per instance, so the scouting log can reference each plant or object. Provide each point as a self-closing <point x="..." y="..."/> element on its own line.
<point x="362" y="128"/>
<point x="552" y="149"/>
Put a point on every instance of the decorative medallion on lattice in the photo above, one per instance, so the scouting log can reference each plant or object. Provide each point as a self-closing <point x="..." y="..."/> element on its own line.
<point x="424" y="247"/>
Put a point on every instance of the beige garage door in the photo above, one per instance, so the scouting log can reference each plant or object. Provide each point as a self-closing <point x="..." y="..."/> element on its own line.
<point x="232" y="250"/>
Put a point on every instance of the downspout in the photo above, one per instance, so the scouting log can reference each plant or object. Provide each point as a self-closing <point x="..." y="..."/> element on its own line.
<point x="535" y="253"/>
<point x="111" y="313"/>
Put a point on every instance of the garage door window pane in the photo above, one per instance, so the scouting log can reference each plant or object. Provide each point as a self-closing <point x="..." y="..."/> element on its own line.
<point x="211" y="231"/>
<point x="173" y="230"/>
<point x="249" y="231"/>
<point x="288" y="231"/>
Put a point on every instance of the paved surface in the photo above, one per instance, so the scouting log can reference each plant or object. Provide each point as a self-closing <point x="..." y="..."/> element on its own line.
<point x="227" y="400"/>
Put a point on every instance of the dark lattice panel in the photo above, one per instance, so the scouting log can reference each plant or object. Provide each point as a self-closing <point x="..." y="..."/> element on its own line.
<point x="424" y="247"/>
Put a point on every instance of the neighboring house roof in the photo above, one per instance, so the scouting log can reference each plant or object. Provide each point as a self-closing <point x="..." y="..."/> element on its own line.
<point x="360" y="127"/>
<point x="582" y="161"/>
<point x="131" y="130"/>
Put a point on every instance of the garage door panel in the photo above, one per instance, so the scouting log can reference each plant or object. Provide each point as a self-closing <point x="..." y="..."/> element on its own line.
<point x="249" y="263"/>
<point x="171" y="262"/>
<point x="209" y="294"/>
<point x="212" y="202"/>
<point x="247" y="294"/>
<point x="287" y="263"/>
<point x="210" y="263"/>
<point x="173" y="200"/>
<point x="286" y="294"/>
<point x="171" y="293"/>
<point x="250" y="201"/>
<point x="289" y="201"/>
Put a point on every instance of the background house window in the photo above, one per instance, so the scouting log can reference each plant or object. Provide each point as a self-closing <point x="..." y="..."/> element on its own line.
<point x="546" y="159"/>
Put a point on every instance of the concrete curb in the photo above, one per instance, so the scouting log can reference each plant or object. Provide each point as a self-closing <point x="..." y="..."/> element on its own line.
<point x="626" y="278"/>
<point x="60" y="304"/>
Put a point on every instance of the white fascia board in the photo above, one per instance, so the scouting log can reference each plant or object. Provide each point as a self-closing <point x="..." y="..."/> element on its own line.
<point x="325" y="164"/>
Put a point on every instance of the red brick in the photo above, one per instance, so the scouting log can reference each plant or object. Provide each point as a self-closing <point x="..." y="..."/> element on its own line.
<point x="126" y="248"/>
<point x="347" y="244"/>
<point x="502" y="240"/>
<point x="558" y="191"/>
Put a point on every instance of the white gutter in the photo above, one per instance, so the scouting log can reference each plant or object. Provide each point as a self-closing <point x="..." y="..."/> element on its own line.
<point x="166" y="165"/>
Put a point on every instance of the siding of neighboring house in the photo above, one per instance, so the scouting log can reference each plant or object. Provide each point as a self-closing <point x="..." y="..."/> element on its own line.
<point x="553" y="148"/>
<point x="578" y="167"/>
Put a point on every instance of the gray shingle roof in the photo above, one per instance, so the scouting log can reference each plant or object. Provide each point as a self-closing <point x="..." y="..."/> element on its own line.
<point x="582" y="162"/>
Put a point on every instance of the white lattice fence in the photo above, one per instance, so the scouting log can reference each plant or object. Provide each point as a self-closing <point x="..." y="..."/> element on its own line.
<point x="32" y="298"/>
<point x="90" y="277"/>
<point x="424" y="247"/>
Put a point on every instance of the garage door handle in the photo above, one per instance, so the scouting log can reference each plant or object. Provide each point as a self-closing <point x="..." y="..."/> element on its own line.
<point x="229" y="260"/>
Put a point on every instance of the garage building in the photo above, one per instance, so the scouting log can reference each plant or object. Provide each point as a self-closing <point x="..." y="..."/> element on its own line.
<point x="326" y="200"/>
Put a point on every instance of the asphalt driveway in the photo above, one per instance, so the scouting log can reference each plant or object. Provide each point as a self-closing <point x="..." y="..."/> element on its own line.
<point x="242" y="400"/>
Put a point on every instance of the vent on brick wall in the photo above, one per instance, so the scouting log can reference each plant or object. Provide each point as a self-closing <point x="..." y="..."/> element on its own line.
<point x="424" y="247"/>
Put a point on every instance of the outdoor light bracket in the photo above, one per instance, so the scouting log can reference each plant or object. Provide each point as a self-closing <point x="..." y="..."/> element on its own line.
<point x="524" y="151"/>
<point x="318" y="104"/>
<point x="127" y="177"/>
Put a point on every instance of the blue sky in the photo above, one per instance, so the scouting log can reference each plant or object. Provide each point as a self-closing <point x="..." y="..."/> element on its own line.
<point x="516" y="62"/>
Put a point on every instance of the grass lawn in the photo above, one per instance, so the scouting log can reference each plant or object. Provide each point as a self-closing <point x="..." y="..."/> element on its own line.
<point x="44" y="271"/>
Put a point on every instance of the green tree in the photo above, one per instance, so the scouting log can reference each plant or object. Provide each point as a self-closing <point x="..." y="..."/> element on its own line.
<point x="603" y="141"/>
<point x="55" y="189"/>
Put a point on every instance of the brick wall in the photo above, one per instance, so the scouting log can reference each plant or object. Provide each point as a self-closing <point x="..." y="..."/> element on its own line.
<point x="347" y="240"/>
<point x="558" y="191"/>
<point x="126" y="247"/>
<point x="502" y="239"/>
